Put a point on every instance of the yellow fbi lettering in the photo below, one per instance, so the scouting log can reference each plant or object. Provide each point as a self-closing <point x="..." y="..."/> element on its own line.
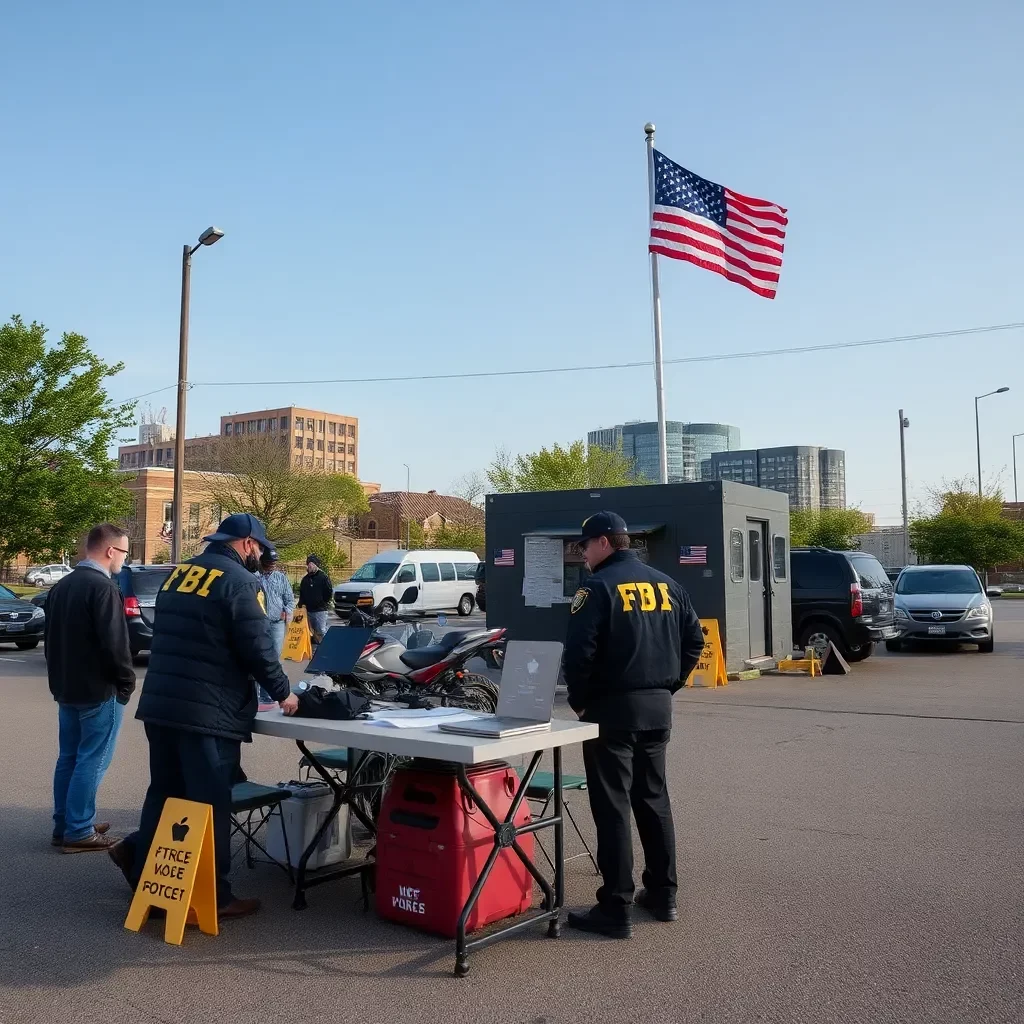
<point x="188" y="577"/>
<point x="643" y="597"/>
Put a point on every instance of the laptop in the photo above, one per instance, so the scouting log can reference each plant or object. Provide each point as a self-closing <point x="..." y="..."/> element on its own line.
<point x="526" y="693"/>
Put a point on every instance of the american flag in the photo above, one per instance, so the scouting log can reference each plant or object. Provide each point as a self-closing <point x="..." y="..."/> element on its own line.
<point x="504" y="556"/>
<point x="693" y="554"/>
<point x="718" y="229"/>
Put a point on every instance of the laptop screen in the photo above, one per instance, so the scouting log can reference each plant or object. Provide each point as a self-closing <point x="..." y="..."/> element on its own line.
<point x="529" y="676"/>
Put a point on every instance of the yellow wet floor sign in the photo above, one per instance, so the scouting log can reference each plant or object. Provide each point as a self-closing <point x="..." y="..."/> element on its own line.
<point x="180" y="875"/>
<point x="297" y="644"/>
<point x="710" y="670"/>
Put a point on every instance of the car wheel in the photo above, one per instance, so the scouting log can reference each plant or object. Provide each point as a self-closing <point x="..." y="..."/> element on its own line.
<point x="819" y="635"/>
<point x="893" y="645"/>
<point x="26" y="645"/>
<point x="466" y="605"/>
<point x="987" y="647"/>
<point x="388" y="607"/>
<point x="861" y="653"/>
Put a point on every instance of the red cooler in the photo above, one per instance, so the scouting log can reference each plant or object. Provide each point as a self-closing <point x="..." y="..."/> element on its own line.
<point x="432" y="844"/>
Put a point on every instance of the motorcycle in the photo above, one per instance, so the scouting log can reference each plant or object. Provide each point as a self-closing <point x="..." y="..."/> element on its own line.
<point x="418" y="669"/>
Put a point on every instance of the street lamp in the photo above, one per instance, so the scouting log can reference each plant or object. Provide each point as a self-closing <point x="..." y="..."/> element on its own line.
<point x="904" y="423"/>
<point x="1015" y="436"/>
<point x="208" y="237"/>
<point x="977" y="429"/>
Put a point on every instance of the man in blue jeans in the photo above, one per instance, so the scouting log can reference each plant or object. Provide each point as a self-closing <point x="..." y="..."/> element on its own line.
<point x="89" y="666"/>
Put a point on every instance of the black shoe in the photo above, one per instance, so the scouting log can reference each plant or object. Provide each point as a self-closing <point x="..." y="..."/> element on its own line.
<point x="598" y="922"/>
<point x="662" y="907"/>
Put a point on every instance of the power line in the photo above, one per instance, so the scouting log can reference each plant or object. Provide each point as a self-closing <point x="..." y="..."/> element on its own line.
<point x="707" y="358"/>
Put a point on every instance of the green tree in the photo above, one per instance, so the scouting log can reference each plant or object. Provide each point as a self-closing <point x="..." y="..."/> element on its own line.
<point x="255" y="474"/>
<point x="560" y="469"/>
<point x="458" y="537"/>
<point x="320" y="544"/>
<point x="57" y="424"/>
<point x="827" y="527"/>
<point x="965" y="529"/>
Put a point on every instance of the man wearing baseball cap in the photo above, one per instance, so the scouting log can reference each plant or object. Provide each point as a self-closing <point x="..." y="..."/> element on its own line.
<point x="212" y="647"/>
<point x="633" y="639"/>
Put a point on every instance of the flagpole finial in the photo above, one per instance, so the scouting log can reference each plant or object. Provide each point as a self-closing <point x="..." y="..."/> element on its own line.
<point x="649" y="128"/>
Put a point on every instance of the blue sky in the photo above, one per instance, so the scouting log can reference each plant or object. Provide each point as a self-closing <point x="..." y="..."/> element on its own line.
<point x="415" y="189"/>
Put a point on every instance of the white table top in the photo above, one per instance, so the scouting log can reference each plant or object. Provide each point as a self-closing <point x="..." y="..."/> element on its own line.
<point x="429" y="742"/>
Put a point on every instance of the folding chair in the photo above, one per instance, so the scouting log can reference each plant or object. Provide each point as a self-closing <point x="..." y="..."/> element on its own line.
<point x="252" y="807"/>
<point x="334" y="759"/>
<point x="542" y="790"/>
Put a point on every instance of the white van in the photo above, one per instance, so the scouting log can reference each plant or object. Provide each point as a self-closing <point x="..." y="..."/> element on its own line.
<point x="446" y="580"/>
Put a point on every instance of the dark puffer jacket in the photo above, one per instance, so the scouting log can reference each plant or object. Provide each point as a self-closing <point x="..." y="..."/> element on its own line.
<point x="211" y="645"/>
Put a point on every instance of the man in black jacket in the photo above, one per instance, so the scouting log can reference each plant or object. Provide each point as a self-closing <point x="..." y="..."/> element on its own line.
<point x="89" y="666"/>
<point x="211" y="648"/>
<point x="633" y="639"/>
<point x="315" y="594"/>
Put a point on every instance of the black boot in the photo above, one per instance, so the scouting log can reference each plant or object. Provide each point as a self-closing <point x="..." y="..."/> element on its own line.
<point x="598" y="921"/>
<point x="662" y="906"/>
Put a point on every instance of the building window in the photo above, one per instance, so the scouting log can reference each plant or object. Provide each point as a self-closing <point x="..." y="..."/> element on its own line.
<point x="319" y="463"/>
<point x="216" y="514"/>
<point x="334" y="427"/>
<point x="309" y="461"/>
<point x="351" y="449"/>
<point x="736" y="551"/>
<point x="250" y="427"/>
<point x="319" y="446"/>
<point x="159" y="456"/>
<point x="351" y="467"/>
<point x="193" y="521"/>
<point x="238" y="428"/>
<point x="298" y="442"/>
<point x="284" y="422"/>
<point x="168" y="511"/>
<point x="320" y="427"/>
<point x="309" y="443"/>
<point x="227" y="429"/>
<point x="331" y="446"/>
<point x="309" y="423"/>
<point x="149" y="457"/>
<point x="298" y="459"/>
<point x="351" y="430"/>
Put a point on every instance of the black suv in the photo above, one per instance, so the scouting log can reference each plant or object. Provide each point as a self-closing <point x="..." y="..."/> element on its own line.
<point x="840" y="596"/>
<point x="479" y="576"/>
<point x="139" y="586"/>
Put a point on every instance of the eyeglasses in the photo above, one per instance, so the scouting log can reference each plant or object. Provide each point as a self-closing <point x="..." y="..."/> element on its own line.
<point x="124" y="551"/>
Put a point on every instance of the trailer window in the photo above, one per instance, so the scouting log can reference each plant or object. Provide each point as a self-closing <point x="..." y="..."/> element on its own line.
<point x="736" y="551"/>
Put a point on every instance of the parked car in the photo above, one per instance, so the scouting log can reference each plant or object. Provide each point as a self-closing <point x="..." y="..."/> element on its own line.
<point x="481" y="586"/>
<point x="46" y="575"/>
<point x="139" y="586"/>
<point x="21" y="622"/>
<point x="842" y="597"/>
<point x="446" y="579"/>
<point x="942" y="602"/>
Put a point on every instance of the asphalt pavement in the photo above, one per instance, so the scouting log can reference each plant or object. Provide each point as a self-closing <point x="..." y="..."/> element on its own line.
<point x="851" y="849"/>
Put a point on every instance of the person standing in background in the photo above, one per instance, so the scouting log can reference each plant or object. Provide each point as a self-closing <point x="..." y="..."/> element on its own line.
<point x="280" y="601"/>
<point x="89" y="667"/>
<point x="315" y="594"/>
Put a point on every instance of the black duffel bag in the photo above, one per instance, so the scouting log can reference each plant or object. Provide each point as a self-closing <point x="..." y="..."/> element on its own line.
<point x="337" y="705"/>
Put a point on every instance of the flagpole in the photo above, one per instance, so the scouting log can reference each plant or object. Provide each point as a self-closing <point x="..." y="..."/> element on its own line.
<point x="659" y="369"/>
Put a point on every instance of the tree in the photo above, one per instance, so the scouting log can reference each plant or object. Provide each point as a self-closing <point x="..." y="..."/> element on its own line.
<point x="965" y="529"/>
<point x="470" y="487"/>
<point x="458" y="537"/>
<point x="254" y="473"/>
<point x="827" y="527"/>
<point x="57" y="424"/>
<point x="320" y="544"/>
<point x="560" y="469"/>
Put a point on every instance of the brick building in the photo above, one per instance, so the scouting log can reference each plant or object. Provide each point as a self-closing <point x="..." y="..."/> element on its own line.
<point x="391" y="510"/>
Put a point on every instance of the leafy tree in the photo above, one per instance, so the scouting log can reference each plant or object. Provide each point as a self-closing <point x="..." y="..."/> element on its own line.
<point x="320" y="544"/>
<point x="458" y="536"/>
<point x="965" y="529"/>
<point x="827" y="527"/>
<point x="254" y="473"/>
<point x="57" y="425"/>
<point x="557" y="469"/>
<point x="470" y="487"/>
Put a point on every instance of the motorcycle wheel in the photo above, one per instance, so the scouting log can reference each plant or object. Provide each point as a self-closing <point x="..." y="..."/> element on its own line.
<point x="473" y="692"/>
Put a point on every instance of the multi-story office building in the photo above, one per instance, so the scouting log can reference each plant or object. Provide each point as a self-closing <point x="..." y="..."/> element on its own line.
<point x="813" y="477"/>
<point x="686" y="445"/>
<point x="316" y="440"/>
<point x="711" y="438"/>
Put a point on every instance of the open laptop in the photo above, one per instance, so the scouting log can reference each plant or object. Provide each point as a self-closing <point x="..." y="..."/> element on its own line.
<point x="526" y="693"/>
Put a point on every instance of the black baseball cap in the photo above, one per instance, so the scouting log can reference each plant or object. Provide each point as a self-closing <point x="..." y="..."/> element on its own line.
<point x="238" y="527"/>
<point x="603" y="524"/>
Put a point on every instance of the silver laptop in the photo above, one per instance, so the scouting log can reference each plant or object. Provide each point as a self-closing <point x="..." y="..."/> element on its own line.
<point x="526" y="694"/>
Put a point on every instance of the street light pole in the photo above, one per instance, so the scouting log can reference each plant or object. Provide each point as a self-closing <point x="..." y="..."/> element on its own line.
<point x="977" y="428"/>
<point x="1015" y="436"/>
<point x="208" y="237"/>
<point x="408" y="520"/>
<point x="904" y="423"/>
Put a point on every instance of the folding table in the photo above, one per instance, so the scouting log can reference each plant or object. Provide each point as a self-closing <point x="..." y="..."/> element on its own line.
<point x="461" y="751"/>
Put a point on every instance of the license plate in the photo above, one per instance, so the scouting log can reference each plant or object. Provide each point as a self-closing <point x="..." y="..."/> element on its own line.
<point x="936" y="630"/>
<point x="18" y="627"/>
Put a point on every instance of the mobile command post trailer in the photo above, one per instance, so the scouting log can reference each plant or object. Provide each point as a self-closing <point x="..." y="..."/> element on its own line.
<point x="726" y="543"/>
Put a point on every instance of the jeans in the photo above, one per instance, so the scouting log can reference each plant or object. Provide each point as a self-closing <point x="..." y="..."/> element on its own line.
<point x="277" y="631"/>
<point x="87" y="737"/>
<point x="190" y="766"/>
<point x="318" y="624"/>
<point x="626" y="770"/>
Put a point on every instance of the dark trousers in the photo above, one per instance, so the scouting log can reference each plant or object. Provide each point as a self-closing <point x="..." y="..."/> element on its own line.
<point x="189" y="766"/>
<point x="627" y="770"/>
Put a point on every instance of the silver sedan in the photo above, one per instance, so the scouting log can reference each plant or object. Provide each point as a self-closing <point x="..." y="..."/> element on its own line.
<point x="942" y="602"/>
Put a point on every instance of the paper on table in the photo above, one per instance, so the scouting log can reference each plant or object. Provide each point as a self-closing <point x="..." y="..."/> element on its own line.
<point x="420" y="718"/>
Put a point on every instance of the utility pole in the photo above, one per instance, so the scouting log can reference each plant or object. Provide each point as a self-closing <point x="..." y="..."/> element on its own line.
<point x="904" y="423"/>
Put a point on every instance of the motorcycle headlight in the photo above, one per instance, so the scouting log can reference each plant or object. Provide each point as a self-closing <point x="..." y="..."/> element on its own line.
<point x="979" y="611"/>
